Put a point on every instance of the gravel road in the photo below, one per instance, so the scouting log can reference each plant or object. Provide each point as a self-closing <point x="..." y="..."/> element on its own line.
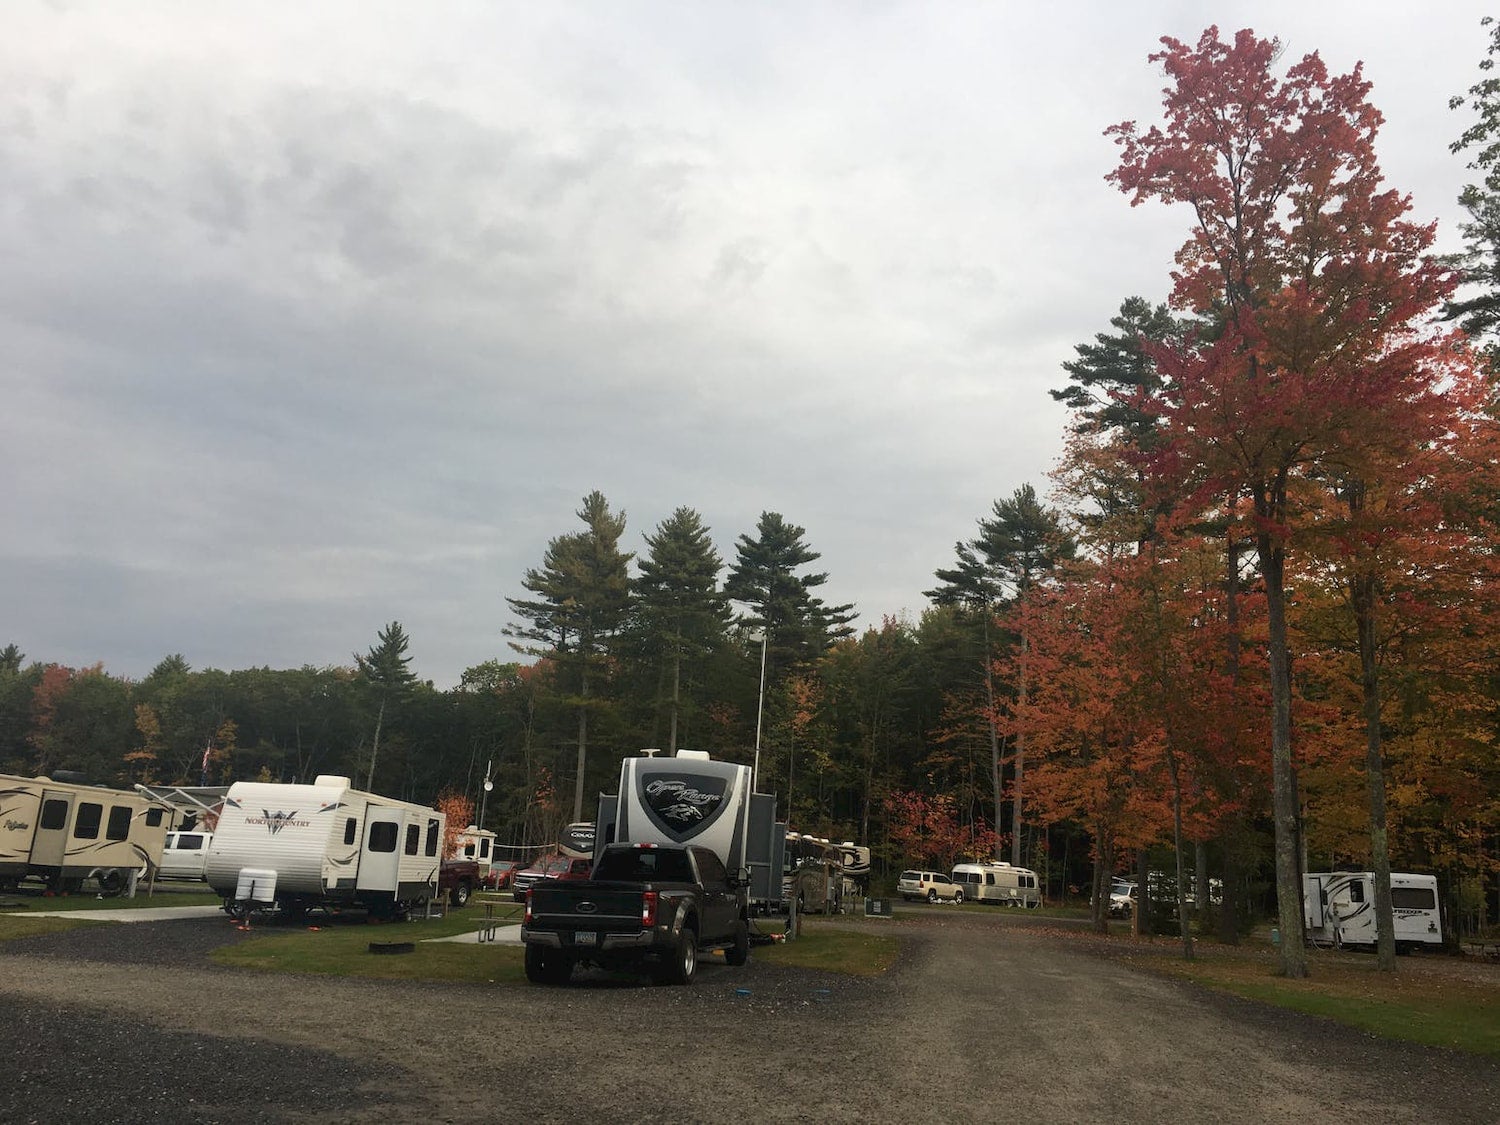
<point x="982" y="1020"/>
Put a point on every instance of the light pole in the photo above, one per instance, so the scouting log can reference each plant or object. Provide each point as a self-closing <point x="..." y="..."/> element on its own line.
<point x="760" y="707"/>
<point x="485" y="792"/>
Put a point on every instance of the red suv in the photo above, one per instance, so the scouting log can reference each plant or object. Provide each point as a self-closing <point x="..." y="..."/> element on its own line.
<point x="555" y="866"/>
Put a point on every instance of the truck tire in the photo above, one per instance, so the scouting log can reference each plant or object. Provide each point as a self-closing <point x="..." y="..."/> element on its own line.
<point x="458" y="897"/>
<point x="739" y="952"/>
<point x="932" y="898"/>
<point x="545" y="966"/>
<point x="680" y="966"/>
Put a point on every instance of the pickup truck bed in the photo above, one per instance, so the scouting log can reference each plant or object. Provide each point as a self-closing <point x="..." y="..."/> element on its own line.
<point x="647" y="905"/>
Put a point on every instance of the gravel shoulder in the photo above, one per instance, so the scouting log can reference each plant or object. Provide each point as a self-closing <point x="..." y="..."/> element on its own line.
<point x="133" y="1023"/>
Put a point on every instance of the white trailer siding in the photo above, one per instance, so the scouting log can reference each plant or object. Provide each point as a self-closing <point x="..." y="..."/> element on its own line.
<point x="326" y="842"/>
<point x="688" y="799"/>
<point x="1000" y="883"/>
<point x="1339" y="907"/>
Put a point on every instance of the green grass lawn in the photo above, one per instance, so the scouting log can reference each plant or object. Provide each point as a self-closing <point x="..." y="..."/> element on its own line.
<point x="31" y="897"/>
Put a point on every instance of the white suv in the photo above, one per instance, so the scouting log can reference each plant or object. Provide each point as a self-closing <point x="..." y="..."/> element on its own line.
<point x="934" y="886"/>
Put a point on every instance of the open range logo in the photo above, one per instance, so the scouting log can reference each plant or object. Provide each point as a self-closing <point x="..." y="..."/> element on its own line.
<point x="683" y="806"/>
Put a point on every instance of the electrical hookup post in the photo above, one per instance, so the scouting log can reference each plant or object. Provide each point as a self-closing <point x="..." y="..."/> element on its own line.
<point x="879" y="908"/>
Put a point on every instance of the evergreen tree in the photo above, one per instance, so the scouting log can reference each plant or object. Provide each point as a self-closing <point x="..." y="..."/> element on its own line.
<point x="581" y="594"/>
<point x="1478" y="313"/>
<point x="385" y="669"/>
<point x="680" y="613"/>
<point x="799" y="625"/>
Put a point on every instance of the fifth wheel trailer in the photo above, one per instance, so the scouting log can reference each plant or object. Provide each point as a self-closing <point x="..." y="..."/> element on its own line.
<point x="689" y="798"/>
<point x="324" y="844"/>
<point x="64" y="832"/>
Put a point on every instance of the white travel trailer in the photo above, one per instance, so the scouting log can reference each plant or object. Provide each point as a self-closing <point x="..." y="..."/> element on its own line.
<point x="64" y="832"/>
<point x="1339" y="907"/>
<point x="324" y="844"/>
<point x="690" y="798"/>
<point x="477" y="844"/>
<point x="1000" y="883"/>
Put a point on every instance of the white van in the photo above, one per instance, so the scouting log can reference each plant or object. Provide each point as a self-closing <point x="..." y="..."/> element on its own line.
<point x="183" y="855"/>
<point x="999" y="883"/>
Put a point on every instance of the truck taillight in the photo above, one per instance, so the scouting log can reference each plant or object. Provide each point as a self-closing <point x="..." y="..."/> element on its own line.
<point x="648" y="908"/>
<point x="527" y="918"/>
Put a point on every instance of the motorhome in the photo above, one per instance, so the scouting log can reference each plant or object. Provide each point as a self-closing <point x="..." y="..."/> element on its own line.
<point x="1339" y="908"/>
<point x="64" y="832"/>
<point x="326" y="844"/>
<point x="822" y="877"/>
<point x="998" y="883"/>
<point x="689" y="798"/>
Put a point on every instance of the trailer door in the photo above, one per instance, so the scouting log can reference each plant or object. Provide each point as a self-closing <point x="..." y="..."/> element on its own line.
<point x="50" y="844"/>
<point x="380" y="857"/>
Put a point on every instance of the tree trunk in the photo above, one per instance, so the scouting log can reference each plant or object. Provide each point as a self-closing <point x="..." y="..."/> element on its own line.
<point x="1292" y="947"/>
<point x="375" y="748"/>
<point x="1363" y="589"/>
<point x="1020" y="744"/>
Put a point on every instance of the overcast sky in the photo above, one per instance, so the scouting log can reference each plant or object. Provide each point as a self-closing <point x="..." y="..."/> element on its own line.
<point x="317" y="316"/>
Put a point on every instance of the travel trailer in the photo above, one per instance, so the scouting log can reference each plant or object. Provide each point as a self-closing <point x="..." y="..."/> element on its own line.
<point x="1339" y="907"/>
<point x="295" y="846"/>
<point x="64" y="832"/>
<point x="477" y="844"/>
<point x="999" y="883"/>
<point x="822" y="877"/>
<point x="692" y="799"/>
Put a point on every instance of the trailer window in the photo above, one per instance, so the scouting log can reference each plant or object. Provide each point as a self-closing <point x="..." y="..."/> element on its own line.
<point x="413" y="839"/>
<point x="154" y="817"/>
<point x="54" y="814"/>
<point x="382" y="836"/>
<point x="351" y="830"/>
<point x="1356" y="892"/>
<point x="989" y="878"/>
<point x="432" y="837"/>
<point x="484" y="848"/>
<point x="119" y="823"/>
<point x="1413" y="898"/>
<point x="86" y="822"/>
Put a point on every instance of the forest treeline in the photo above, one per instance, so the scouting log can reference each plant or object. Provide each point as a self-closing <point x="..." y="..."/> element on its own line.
<point x="1250" y="632"/>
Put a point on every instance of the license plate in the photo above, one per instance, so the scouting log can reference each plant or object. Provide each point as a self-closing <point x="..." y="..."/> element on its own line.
<point x="585" y="937"/>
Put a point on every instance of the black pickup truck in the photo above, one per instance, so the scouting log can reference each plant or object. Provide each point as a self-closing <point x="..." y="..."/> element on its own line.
<point x="645" y="904"/>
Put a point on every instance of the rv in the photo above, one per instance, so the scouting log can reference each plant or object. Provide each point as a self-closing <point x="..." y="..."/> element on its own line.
<point x="64" y="832"/>
<point x="1339" y="907"/>
<point x="325" y="844"/>
<point x="477" y="844"/>
<point x="692" y="799"/>
<point x="1000" y="883"/>
<point x="822" y="877"/>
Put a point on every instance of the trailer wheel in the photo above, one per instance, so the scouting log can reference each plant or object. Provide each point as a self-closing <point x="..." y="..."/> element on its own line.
<point x="111" y="882"/>
<point x="739" y="953"/>
<point x="458" y="897"/>
<point x="680" y="967"/>
<point x="958" y="898"/>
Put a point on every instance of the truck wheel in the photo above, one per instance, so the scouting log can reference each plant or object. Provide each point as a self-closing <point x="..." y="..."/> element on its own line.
<point x="739" y="953"/>
<point x="932" y="897"/>
<point x="458" y="897"/>
<point x="543" y="966"/>
<point x="683" y="963"/>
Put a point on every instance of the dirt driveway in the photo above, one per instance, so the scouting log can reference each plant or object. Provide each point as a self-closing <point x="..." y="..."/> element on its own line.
<point x="982" y="1020"/>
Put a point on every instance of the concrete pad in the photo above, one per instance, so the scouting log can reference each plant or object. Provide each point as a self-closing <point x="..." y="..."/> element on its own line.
<point x="127" y="914"/>
<point x="505" y="934"/>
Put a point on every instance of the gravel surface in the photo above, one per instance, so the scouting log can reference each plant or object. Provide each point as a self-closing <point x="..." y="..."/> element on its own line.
<point x="983" y="1019"/>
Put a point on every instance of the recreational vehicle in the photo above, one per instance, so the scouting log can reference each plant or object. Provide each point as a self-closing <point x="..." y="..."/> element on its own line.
<point x="324" y="844"/>
<point x="64" y="832"/>
<point x="477" y="844"/>
<point x="1000" y="883"/>
<point x="1339" y="907"/>
<point x="691" y="799"/>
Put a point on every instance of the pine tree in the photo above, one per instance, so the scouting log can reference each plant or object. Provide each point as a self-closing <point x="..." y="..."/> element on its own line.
<point x="581" y="593"/>
<point x="385" y="669"/>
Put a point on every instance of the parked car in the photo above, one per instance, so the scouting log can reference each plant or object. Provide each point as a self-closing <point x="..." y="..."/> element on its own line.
<point x="501" y="873"/>
<point x="555" y="866"/>
<point x="1122" y="899"/>
<point x="183" y="855"/>
<point x="934" y="886"/>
